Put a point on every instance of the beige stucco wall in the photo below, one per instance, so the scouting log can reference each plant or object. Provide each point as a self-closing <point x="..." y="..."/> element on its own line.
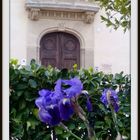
<point x="18" y="29"/>
<point x="107" y="49"/>
<point x="111" y="48"/>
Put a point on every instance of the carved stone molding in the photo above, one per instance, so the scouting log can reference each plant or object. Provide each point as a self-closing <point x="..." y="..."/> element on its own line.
<point x="66" y="15"/>
<point x="70" y="11"/>
<point x="89" y="17"/>
<point x="34" y="13"/>
<point x="61" y="26"/>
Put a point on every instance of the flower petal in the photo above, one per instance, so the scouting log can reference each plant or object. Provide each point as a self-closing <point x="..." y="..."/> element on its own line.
<point x="113" y="98"/>
<point x="39" y="102"/>
<point x="66" y="109"/>
<point x="104" y="98"/>
<point x="44" y="116"/>
<point x="54" y="112"/>
<point x="89" y="105"/>
<point x="116" y="107"/>
<point x="58" y="88"/>
<point x="58" y="93"/>
<point x="47" y="101"/>
<point x="75" y="89"/>
<point x="114" y="103"/>
<point x="44" y="92"/>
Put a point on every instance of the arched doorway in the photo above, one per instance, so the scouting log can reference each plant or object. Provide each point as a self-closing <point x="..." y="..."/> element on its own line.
<point x="60" y="49"/>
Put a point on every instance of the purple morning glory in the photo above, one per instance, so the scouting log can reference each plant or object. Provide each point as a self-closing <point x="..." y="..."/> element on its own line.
<point x="110" y="97"/>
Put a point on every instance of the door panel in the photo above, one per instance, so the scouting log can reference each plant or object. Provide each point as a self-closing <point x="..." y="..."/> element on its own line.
<point x="61" y="50"/>
<point x="48" y="61"/>
<point x="49" y="52"/>
<point x="68" y="63"/>
<point x="70" y="51"/>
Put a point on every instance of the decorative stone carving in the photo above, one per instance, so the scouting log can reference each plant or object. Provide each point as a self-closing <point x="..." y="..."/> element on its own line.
<point x="34" y="13"/>
<point x="62" y="15"/>
<point x="89" y="17"/>
<point x="61" y="26"/>
<point x="61" y="10"/>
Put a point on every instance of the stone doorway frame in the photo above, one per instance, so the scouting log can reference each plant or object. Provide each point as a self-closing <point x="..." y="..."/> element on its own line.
<point x="66" y="30"/>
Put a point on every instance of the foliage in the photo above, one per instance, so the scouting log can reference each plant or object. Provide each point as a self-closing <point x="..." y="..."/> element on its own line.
<point x="26" y="81"/>
<point x="118" y="13"/>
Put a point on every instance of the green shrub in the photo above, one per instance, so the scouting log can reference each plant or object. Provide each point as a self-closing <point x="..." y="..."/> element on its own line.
<point x="26" y="81"/>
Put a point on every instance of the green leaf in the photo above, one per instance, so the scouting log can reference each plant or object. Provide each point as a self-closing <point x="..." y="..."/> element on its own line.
<point x="17" y="130"/>
<point x="22" y="104"/>
<point x="19" y="93"/>
<point x="32" y="83"/>
<point x="66" y="135"/>
<point x="21" y="86"/>
<point x="13" y="112"/>
<point x="71" y="126"/>
<point x="120" y="124"/>
<point x="82" y="125"/>
<point x="32" y="122"/>
<point x="58" y="130"/>
<point x="75" y="66"/>
<point x="29" y="96"/>
<point x="13" y="61"/>
<point x="99" y="124"/>
<point x="108" y="121"/>
<point x="28" y="125"/>
<point x="47" y="137"/>
<point x="101" y="106"/>
<point x="35" y="112"/>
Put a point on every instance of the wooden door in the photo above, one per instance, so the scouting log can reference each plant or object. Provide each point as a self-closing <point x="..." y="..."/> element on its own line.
<point x="61" y="50"/>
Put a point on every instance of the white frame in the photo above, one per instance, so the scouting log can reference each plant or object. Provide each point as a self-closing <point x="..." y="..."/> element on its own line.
<point x="134" y="71"/>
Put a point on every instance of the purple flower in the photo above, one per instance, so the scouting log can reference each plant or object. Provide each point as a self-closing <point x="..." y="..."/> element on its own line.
<point x="75" y="88"/>
<point x="56" y="106"/>
<point x="66" y="109"/>
<point x="110" y="97"/>
<point x="44" y="116"/>
<point x="50" y="115"/>
<point x="58" y="87"/>
<point x="88" y="103"/>
<point x="44" y="92"/>
<point x="44" y="99"/>
<point x="48" y="109"/>
<point x="53" y="110"/>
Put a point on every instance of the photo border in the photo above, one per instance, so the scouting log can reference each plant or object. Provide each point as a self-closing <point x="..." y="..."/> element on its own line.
<point x="134" y="70"/>
<point x="5" y="69"/>
<point x="1" y="80"/>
